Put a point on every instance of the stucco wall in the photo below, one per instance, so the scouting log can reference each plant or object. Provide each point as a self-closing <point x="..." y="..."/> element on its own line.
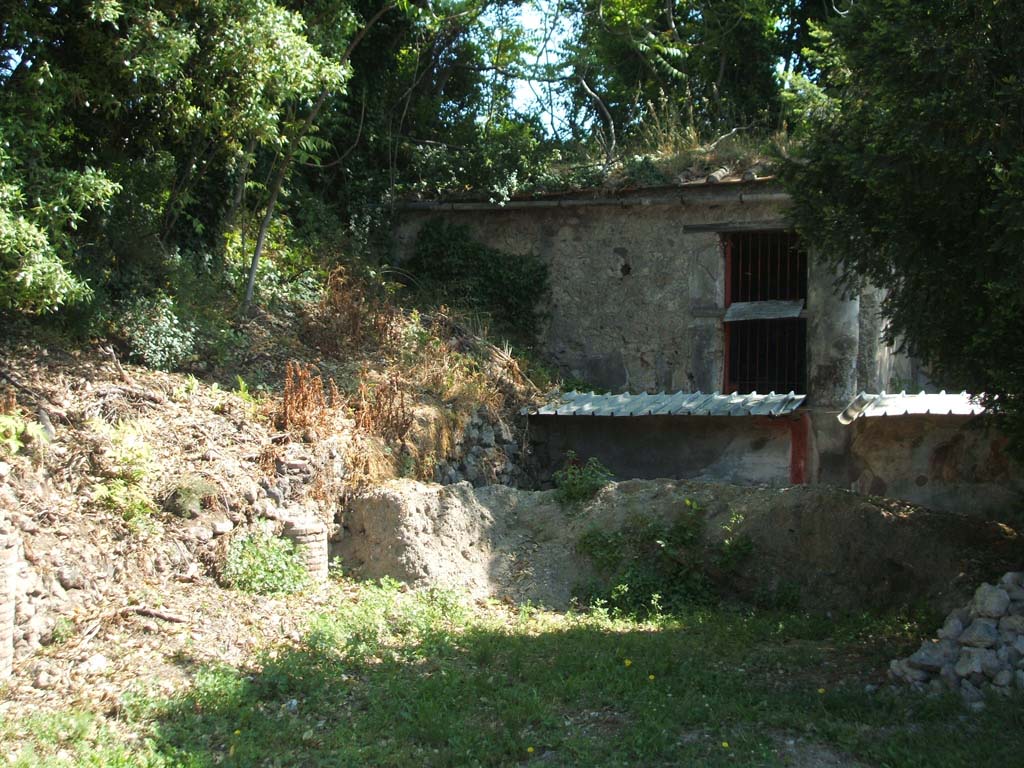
<point x="945" y="462"/>
<point x="950" y="463"/>
<point x="742" y="450"/>
<point x="637" y="302"/>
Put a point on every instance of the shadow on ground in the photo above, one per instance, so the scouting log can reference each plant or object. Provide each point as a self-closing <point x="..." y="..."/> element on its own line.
<point x="741" y="690"/>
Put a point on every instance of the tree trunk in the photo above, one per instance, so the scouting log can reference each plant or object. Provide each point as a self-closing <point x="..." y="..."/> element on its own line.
<point x="286" y="161"/>
<point x="261" y="238"/>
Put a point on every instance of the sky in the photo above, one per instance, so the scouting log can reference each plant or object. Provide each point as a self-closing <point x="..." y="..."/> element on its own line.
<point x="536" y="17"/>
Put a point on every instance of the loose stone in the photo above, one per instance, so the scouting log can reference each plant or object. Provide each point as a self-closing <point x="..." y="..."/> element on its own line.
<point x="1012" y="624"/>
<point x="953" y="627"/>
<point x="981" y="633"/>
<point x="990" y="601"/>
<point x="933" y="656"/>
<point x="95" y="664"/>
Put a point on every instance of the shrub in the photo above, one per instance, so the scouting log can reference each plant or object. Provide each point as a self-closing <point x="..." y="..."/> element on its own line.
<point x="264" y="564"/>
<point x="579" y="481"/>
<point x="154" y="333"/>
<point x="646" y="565"/>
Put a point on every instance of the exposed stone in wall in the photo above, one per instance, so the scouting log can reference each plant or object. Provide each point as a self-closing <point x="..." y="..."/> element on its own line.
<point x="487" y="451"/>
<point x="978" y="652"/>
<point x="8" y="578"/>
<point x="310" y="537"/>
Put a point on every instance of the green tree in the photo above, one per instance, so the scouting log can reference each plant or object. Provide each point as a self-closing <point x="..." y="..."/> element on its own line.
<point x="119" y="121"/>
<point x="713" y="63"/>
<point x="912" y="177"/>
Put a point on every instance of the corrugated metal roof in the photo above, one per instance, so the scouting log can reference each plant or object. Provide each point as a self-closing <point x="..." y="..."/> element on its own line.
<point x="678" y="404"/>
<point x="902" y="404"/>
<point x="763" y="310"/>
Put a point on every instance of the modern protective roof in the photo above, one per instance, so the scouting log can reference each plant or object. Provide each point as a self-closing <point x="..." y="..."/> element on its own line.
<point x="678" y="404"/>
<point x="902" y="404"/>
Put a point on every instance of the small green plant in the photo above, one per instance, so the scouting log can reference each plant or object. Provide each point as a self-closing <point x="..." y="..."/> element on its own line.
<point x="335" y="570"/>
<point x="185" y="391"/>
<point x="129" y="451"/>
<point x="15" y="431"/>
<point x="124" y="497"/>
<point x="735" y="547"/>
<point x="243" y="390"/>
<point x="190" y="496"/>
<point x="264" y="564"/>
<point x="647" y="567"/>
<point x="63" y="630"/>
<point x="578" y="481"/>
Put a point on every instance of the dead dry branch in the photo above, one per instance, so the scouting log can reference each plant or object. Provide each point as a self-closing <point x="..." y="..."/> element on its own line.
<point x="381" y="407"/>
<point x="307" y="403"/>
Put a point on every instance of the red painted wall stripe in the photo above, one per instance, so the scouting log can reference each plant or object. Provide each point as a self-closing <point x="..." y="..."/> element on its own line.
<point x="799" y="437"/>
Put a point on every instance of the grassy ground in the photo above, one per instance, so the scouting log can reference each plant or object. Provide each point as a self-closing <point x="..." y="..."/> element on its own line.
<point x="399" y="678"/>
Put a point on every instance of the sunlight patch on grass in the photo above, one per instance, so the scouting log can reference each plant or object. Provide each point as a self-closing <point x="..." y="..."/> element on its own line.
<point x="392" y="677"/>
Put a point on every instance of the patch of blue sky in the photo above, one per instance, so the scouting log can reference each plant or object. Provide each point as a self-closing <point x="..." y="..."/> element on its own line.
<point x="549" y="27"/>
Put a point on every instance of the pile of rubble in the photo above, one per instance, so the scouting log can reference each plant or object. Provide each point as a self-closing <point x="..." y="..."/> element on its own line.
<point x="978" y="651"/>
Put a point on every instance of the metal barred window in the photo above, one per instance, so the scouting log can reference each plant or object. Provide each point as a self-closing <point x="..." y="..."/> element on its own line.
<point x="765" y="299"/>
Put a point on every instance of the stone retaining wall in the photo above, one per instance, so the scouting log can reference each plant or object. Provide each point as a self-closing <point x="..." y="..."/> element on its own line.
<point x="8" y="578"/>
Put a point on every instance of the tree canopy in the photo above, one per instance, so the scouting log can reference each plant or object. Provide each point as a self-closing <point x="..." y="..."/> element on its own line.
<point x="911" y="175"/>
<point x="161" y="157"/>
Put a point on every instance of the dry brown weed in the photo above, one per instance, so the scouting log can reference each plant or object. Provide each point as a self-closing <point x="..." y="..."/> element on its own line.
<point x="349" y="315"/>
<point x="307" y="403"/>
<point x="382" y="407"/>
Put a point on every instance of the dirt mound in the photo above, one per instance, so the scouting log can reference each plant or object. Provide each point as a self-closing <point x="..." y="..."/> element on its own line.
<point x="824" y="548"/>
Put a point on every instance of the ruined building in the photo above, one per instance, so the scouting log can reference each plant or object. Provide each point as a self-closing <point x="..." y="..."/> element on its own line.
<point x="705" y="288"/>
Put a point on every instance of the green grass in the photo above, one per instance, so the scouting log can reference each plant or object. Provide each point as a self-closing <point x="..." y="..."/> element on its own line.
<point x="420" y="678"/>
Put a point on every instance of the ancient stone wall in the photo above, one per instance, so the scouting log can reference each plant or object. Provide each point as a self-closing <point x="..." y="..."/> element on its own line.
<point x="8" y="579"/>
<point x="638" y="294"/>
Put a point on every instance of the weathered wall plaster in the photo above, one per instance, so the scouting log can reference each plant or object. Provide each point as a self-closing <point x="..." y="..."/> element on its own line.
<point x="637" y="302"/>
<point x="948" y="463"/>
<point x="742" y="450"/>
<point x="955" y="463"/>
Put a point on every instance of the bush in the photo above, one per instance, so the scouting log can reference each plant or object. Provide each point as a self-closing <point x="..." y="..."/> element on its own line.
<point x="647" y="566"/>
<point x="154" y="333"/>
<point x="578" y="481"/>
<point x="264" y="564"/>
